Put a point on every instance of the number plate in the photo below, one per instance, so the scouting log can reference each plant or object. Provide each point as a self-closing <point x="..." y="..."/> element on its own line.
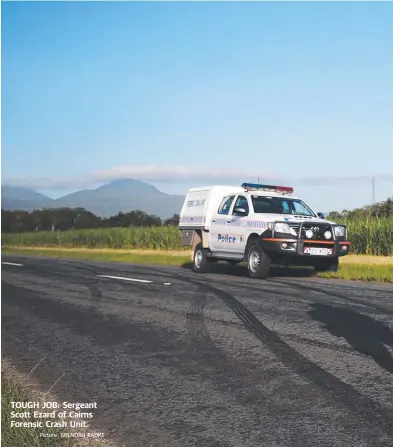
<point x="318" y="251"/>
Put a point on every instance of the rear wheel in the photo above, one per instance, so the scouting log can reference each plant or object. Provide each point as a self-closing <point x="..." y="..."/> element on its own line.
<point x="326" y="265"/>
<point x="201" y="263"/>
<point x="258" y="261"/>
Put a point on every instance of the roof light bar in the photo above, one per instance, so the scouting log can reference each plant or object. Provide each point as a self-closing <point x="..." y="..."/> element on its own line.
<point x="257" y="187"/>
<point x="284" y="189"/>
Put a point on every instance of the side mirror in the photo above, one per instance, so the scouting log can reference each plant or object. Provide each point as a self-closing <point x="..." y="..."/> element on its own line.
<point x="239" y="211"/>
<point x="321" y="215"/>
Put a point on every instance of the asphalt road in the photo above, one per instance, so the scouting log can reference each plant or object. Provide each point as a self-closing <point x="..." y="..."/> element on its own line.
<point x="181" y="359"/>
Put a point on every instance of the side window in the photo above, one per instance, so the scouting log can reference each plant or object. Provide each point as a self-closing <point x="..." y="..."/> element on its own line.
<point x="285" y="207"/>
<point x="262" y="204"/>
<point x="242" y="202"/>
<point x="225" y="205"/>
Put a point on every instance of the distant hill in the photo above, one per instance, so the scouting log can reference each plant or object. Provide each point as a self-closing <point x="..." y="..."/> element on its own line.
<point x="120" y="195"/>
<point x="15" y="198"/>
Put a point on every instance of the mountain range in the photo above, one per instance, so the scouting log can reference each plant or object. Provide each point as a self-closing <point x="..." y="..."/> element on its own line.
<point x="120" y="195"/>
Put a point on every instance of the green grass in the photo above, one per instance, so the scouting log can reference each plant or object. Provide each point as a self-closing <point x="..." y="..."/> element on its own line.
<point x="366" y="270"/>
<point x="105" y="255"/>
<point x="368" y="237"/>
<point x="157" y="238"/>
<point x="11" y="390"/>
<point x="362" y="272"/>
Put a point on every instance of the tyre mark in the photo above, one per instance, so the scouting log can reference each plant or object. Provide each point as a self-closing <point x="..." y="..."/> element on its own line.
<point x="321" y="344"/>
<point x="93" y="284"/>
<point x="195" y="317"/>
<point x="359" y="302"/>
<point x="336" y="389"/>
<point x="372" y="413"/>
<point x="94" y="289"/>
<point x="104" y="329"/>
<point x="196" y="327"/>
<point x="378" y="310"/>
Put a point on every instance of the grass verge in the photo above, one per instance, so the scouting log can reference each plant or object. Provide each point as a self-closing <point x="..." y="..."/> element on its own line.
<point x="352" y="267"/>
<point x="11" y="436"/>
<point x="362" y="272"/>
<point x="114" y="255"/>
<point x="21" y="387"/>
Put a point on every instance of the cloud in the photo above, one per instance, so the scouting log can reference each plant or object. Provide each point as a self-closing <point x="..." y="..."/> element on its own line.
<point x="147" y="173"/>
<point x="198" y="174"/>
<point x="175" y="174"/>
<point x="47" y="183"/>
<point x="334" y="180"/>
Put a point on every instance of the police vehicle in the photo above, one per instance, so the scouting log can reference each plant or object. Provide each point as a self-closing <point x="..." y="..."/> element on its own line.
<point x="262" y="225"/>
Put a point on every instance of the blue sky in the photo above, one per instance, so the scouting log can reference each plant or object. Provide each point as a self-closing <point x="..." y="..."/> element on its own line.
<point x="184" y="94"/>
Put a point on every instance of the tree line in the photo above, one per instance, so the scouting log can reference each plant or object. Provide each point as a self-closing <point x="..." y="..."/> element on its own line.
<point x="380" y="209"/>
<point x="63" y="219"/>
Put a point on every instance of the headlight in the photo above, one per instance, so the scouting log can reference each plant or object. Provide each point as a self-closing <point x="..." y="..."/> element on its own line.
<point x="281" y="227"/>
<point x="339" y="231"/>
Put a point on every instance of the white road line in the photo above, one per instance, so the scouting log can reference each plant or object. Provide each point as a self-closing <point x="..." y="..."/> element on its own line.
<point x="125" y="279"/>
<point x="167" y="283"/>
<point x="12" y="263"/>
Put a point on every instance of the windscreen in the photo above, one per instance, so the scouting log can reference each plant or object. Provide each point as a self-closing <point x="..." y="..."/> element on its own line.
<point x="280" y="205"/>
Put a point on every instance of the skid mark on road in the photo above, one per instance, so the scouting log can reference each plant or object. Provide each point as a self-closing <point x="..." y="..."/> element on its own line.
<point x="358" y="302"/>
<point x="227" y="373"/>
<point x="114" y="330"/>
<point x="75" y="269"/>
<point x="372" y="413"/>
<point x="320" y="344"/>
<point x="105" y="330"/>
<point x="95" y="291"/>
<point x="195" y="323"/>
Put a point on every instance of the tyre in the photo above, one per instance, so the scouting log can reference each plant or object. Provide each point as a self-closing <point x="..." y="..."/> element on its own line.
<point x="258" y="261"/>
<point x="326" y="265"/>
<point x="201" y="263"/>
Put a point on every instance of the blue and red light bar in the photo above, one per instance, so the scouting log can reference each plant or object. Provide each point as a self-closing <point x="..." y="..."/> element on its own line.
<point x="257" y="187"/>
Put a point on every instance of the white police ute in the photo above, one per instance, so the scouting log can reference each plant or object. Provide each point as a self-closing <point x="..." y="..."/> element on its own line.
<point x="262" y="225"/>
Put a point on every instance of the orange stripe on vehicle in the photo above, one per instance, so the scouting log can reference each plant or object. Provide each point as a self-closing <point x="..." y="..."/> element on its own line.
<point x="278" y="240"/>
<point x="271" y="239"/>
<point x="319" y="242"/>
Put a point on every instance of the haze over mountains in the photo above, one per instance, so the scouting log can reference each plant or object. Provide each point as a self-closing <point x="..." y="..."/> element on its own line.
<point x="107" y="200"/>
<point x="117" y="196"/>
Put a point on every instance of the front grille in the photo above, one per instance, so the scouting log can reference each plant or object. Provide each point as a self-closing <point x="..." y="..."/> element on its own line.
<point x="318" y="231"/>
<point x="340" y="238"/>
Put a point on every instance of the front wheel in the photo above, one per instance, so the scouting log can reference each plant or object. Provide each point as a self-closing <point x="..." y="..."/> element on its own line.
<point x="326" y="265"/>
<point x="258" y="262"/>
<point x="201" y="263"/>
